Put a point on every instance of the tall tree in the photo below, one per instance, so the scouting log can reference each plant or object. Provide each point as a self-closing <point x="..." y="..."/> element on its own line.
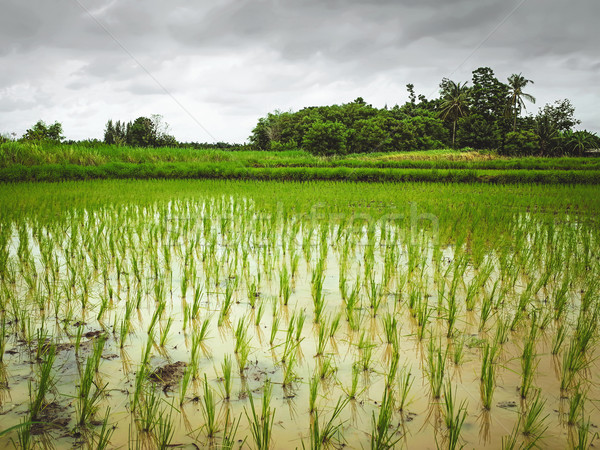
<point x="42" y="132"/>
<point x="516" y="84"/>
<point x="455" y="98"/>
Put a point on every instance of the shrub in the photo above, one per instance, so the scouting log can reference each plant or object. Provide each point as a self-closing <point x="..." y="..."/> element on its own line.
<point x="325" y="138"/>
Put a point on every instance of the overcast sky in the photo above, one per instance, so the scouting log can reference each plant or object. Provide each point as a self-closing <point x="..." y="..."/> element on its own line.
<point x="212" y="68"/>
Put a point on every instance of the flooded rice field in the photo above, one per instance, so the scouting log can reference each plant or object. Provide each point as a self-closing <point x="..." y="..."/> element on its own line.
<point x="228" y="315"/>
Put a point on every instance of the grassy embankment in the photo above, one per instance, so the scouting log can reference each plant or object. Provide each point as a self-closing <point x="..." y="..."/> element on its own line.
<point x="32" y="162"/>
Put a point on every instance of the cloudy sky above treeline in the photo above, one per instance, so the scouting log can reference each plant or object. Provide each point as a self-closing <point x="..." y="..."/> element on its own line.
<point x="212" y="68"/>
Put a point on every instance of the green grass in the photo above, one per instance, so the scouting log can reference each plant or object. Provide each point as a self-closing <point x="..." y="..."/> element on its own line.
<point x="31" y="154"/>
<point x="42" y="162"/>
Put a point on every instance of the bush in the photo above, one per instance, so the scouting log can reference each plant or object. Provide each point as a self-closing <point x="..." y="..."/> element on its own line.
<point x="325" y="138"/>
<point x="520" y="143"/>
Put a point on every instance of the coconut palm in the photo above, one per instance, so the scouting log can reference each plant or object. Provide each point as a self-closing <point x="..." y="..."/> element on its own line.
<point x="454" y="103"/>
<point x="516" y="83"/>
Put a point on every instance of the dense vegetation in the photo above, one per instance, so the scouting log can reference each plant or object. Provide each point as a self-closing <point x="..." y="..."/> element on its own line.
<point x="27" y="161"/>
<point x="484" y="115"/>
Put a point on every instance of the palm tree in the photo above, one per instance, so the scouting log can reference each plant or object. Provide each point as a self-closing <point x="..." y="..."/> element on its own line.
<point x="516" y="83"/>
<point x="454" y="103"/>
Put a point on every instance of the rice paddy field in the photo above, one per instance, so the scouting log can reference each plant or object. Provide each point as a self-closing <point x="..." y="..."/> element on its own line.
<point x="228" y="314"/>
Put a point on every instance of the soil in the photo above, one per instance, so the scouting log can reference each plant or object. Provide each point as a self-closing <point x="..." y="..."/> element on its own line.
<point x="52" y="415"/>
<point x="168" y="375"/>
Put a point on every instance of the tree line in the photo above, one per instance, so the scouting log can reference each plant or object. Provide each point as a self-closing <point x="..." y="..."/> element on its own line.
<point x="486" y="114"/>
<point x="483" y="114"/>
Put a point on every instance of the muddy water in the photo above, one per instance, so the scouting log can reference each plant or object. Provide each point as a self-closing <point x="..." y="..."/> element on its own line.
<point x="420" y="425"/>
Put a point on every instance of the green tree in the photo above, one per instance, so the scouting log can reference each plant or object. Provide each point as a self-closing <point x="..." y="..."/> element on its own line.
<point x="141" y="133"/>
<point x="477" y="132"/>
<point x="520" y="143"/>
<point x="454" y="103"/>
<point x="548" y="135"/>
<point x="42" y="132"/>
<point x="109" y="133"/>
<point x="325" y="138"/>
<point x="516" y="84"/>
<point x="488" y="95"/>
<point x="577" y="142"/>
<point x="369" y="135"/>
<point x="561" y="115"/>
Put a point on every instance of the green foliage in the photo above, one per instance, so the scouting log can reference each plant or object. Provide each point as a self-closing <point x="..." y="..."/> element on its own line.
<point x="142" y="132"/>
<point x="479" y="117"/>
<point x="488" y="94"/>
<point x="561" y="115"/>
<point x="325" y="138"/>
<point x="521" y="143"/>
<point x="515" y="103"/>
<point x="42" y="132"/>
<point x="477" y="132"/>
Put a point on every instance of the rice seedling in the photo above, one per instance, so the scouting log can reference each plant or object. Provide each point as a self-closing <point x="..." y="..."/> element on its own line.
<point x="423" y="313"/>
<point x="147" y="414"/>
<point x="331" y="433"/>
<point x="229" y="433"/>
<point x="322" y="338"/>
<point x="196" y="301"/>
<point x="352" y="392"/>
<point x="261" y="426"/>
<point x="374" y="294"/>
<point x="185" y="383"/>
<point x="528" y="362"/>
<point x="105" y="433"/>
<point x="313" y="389"/>
<point x="559" y="338"/>
<point x="326" y="368"/>
<point x="259" y="314"/>
<point x="458" y="349"/>
<point x="227" y="380"/>
<point x="584" y="441"/>
<point x="317" y="280"/>
<point x="301" y="318"/>
<point x="44" y="383"/>
<point x="334" y="325"/>
<point x="24" y="436"/>
<point x="253" y="293"/>
<point x="405" y="382"/>
<point x="436" y="364"/>
<point x="89" y="393"/>
<point x="392" y="370"/>
<point x="488" y="383"/>
<point x="208" y="408"/>
<point x="454" y="416"/>
<point x="164" y="431"/>
<point x="382" y="431"/>
<point x="274" y="330"/>
<point x="509" y="442"/>
<point x="243" y="354"/>
<point x="289" y="372"/>
<point x="487" y="305"/>
<point x="285" y="287"/>
<point x="451" y="312"/>
<point x="390" y="328"/>
<point x="533" y="425"/>
<point x="576" y="404"/>
<point x="573" y="363"/>
<point x="164" y="333"/>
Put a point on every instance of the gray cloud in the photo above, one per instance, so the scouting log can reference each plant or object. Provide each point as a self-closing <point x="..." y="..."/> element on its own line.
<point x="231" y="61"/>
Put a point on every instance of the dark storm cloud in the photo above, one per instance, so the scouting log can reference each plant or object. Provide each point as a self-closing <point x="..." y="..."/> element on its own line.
<point x="93" y="58"/>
